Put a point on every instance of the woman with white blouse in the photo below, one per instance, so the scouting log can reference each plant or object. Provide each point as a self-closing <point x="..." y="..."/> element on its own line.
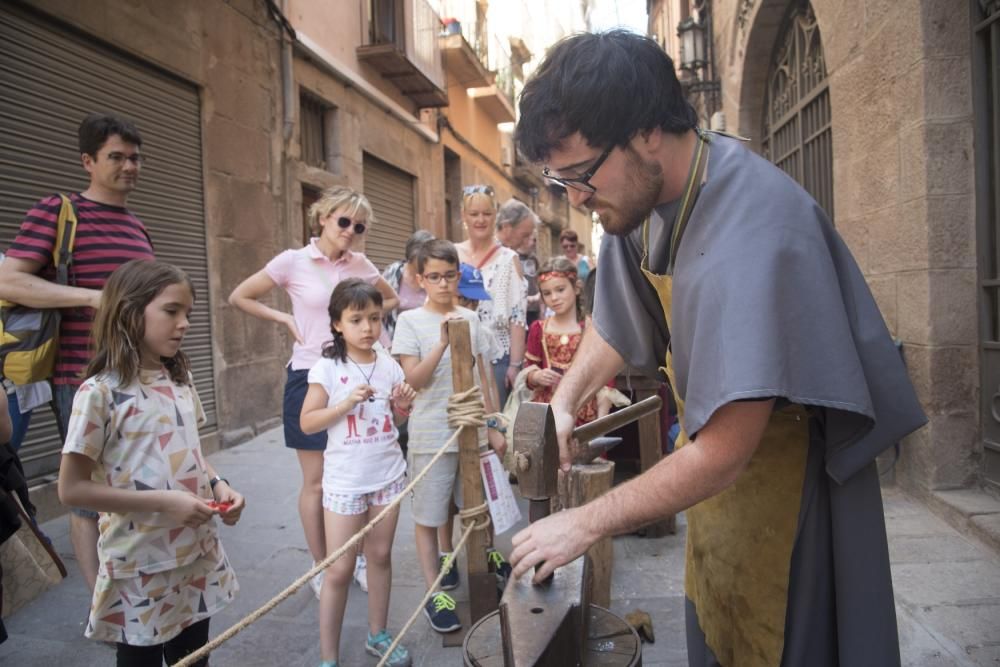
<point x="505" y="314"/>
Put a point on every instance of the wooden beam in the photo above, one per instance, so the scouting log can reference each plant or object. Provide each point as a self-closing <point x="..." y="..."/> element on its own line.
<point x="583" y="483"/>
<point x="482" y="584"/>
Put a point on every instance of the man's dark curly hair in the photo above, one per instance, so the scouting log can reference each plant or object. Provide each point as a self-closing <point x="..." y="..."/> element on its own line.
<point x="607" y="86"/>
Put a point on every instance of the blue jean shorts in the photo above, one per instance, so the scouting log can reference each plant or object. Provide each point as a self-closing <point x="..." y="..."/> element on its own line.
<point x="296" y="387"/>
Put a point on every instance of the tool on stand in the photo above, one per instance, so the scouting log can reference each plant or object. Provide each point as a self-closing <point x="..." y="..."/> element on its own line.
<point x="558" y="623"/>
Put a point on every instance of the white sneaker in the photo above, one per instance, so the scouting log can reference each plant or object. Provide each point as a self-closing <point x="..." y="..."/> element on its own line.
<point x="361" y="572"/>
<point x="316" y="583"/>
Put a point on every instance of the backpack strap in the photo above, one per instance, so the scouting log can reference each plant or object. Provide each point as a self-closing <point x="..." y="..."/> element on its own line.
<point x="62" y="252"/>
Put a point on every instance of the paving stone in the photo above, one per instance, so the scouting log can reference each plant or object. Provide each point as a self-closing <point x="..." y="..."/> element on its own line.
<point x="946" y="583"/>
<point x="919" y="648"/>
<point x="973" y="624"/>
<point x="986" y="656"/>
<point x="934" y="549"/>
<point x="896" y="504"/>
<point x="29" y="651"/>
<point x="916" y="525"/>
<point x="988" y="528"/>
<point x="970" y="501"/>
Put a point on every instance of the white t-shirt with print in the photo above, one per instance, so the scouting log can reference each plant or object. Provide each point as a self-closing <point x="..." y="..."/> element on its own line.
<point x="417" y="332"/>
<point x="143" y="436"/>
<point x="362" y="453"/>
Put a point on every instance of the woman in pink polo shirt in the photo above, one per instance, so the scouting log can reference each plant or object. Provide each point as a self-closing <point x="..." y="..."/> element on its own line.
<point x="309" y="275"/>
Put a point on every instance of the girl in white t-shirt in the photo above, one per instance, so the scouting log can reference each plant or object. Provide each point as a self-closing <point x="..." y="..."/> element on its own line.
<point x="353" y="392"/>
<point x="132" y="453"/>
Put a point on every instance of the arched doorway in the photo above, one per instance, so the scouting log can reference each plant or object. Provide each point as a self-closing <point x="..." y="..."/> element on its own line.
<point x="796" y="132"/>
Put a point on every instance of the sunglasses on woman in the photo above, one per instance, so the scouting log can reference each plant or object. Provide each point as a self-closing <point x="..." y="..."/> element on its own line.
<point x="478" y="190"/>
<point x="344" y="222"/>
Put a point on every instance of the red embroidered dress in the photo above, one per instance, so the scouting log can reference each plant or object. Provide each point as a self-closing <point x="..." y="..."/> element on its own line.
<point x="556" y="351"/>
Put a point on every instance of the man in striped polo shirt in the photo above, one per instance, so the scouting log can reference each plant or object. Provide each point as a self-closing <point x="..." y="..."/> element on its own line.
<point x="107" y="236"/>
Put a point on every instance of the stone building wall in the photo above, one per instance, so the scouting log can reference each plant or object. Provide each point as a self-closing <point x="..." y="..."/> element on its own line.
<point x="902" y="128"/>
<point x="230" y="51"/>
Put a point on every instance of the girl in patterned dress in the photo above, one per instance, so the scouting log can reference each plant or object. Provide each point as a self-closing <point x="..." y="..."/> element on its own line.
<point x="553" y="341"/>
<point x="354" y="390"/>
<point x="132" y="453"/>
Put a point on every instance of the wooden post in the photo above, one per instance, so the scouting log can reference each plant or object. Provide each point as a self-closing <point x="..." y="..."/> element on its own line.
<point x="583" y="483"/>
<point x="482" y="584"/>
<point x="650" y="449"/>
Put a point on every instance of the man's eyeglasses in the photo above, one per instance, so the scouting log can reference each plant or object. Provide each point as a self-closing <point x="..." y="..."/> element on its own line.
<point x="436" y="278"/>
<point x="120" y="158"/>
<point x="344" y="222"/>
<point x="478" y="190"/>
<point x="580" y="183"/>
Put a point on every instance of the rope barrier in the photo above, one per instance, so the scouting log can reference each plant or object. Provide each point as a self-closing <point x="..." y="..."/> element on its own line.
<point x="465" y="409"/>
<point x="468" y="517"/>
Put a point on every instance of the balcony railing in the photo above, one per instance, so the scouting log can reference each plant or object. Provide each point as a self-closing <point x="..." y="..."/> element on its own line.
<point x="403" y="46"/>
<point x="501" y="64"/>
<point x="498" y="99"/>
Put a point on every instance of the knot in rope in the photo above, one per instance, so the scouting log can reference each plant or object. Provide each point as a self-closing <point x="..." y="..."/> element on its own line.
<point x="470" y="516"/>
<point x="466" y="408"/>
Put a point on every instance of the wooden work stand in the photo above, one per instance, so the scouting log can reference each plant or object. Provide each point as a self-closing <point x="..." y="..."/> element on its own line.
<point x="650" y="438"/>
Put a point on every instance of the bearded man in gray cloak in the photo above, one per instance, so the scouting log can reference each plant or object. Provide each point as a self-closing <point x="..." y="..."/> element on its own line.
<point x="723" y="276"/>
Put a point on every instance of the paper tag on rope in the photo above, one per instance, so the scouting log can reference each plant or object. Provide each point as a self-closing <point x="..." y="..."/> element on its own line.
<point x="499" y="496"/>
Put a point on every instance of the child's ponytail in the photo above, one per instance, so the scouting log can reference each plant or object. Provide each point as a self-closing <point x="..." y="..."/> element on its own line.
<point x="351" y="293"/>
<point x="336" y="348"/>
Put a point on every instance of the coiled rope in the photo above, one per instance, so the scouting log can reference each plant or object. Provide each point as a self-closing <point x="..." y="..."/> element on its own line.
<point x="465" y="409"/>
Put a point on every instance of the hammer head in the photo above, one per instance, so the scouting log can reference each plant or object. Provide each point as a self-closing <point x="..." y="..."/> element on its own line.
<point x="536" y="451"/>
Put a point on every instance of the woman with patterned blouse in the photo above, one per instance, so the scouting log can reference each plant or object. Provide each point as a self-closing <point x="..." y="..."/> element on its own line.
<point x="505" y="313"/>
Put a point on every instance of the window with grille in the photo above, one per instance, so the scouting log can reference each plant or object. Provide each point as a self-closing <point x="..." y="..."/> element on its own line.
<point x="986" y="91"/>
<point x="312" y="131"/>
<point x="796" y="133"/>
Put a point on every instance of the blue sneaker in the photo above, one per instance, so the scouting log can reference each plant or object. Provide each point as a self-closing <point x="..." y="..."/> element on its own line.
<point x="328" y="663"/>
<point x="379" y="644"/>
<point x="440" y="611"/>
<point x="450" y="580"/>
<point x="501" y="568"/>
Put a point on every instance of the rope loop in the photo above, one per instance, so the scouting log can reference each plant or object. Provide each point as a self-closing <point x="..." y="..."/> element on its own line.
<point x="470" y="516"/>
<point x="466" y="408"/>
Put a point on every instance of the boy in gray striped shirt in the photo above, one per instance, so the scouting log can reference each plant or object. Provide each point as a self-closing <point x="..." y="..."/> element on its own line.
<point x="420" y="342"/>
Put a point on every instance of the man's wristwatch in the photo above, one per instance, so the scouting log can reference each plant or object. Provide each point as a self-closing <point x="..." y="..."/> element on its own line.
<point x="215" y="480"/>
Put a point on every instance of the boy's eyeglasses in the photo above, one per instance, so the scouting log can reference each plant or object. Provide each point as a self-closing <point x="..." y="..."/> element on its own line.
<point x="478" y="190"/>
<point x="344" y="222"/>
<point x="436" y="278"/>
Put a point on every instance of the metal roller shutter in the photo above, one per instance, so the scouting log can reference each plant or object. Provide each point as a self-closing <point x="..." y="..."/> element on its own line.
<point x="390" y="192"/>
<point x="51" y="77"/>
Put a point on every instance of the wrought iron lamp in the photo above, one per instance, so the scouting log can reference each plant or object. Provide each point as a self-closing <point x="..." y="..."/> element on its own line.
<point x="692" y="36"/>
<point x="697" y="56"/>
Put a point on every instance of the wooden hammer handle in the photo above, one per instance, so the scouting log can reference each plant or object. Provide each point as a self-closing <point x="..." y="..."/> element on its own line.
<point x="616" y="420"/>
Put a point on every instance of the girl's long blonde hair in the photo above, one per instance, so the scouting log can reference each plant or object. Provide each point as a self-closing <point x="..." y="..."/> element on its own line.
<point x="119" y="326"/>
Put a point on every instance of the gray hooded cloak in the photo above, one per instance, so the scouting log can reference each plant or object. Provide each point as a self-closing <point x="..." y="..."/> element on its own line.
<point x="769" y="302"/>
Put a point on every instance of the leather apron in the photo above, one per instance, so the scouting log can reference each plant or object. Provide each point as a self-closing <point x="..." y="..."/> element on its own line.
<point x="739" y="543"/>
